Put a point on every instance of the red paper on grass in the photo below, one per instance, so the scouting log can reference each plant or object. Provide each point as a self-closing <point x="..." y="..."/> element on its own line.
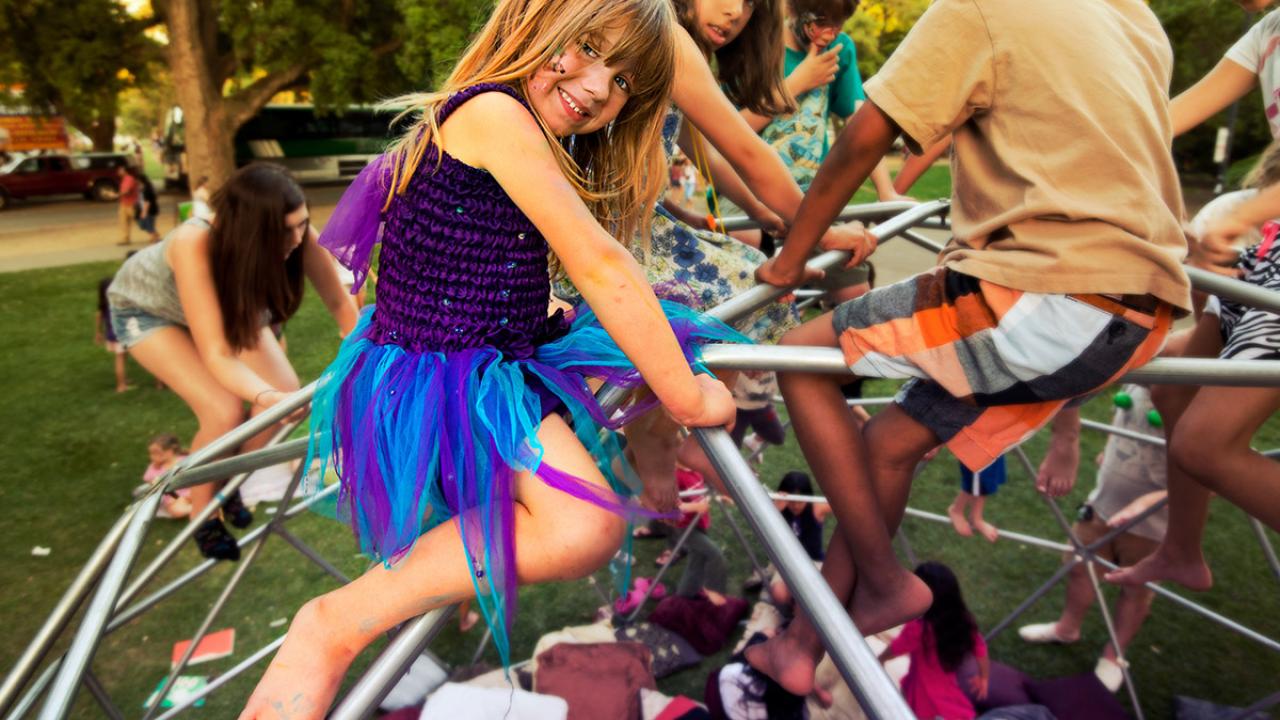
<point x="213" y="646"/>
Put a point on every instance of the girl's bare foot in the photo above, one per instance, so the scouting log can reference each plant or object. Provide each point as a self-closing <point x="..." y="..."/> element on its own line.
<point x="955" y="511"/>
<point x="987" y="530"/>
<point x="1191" y="573"/>
<point x="880" y="603"/>
<point x="304" y="676"/>
<point x="468" y="620"/>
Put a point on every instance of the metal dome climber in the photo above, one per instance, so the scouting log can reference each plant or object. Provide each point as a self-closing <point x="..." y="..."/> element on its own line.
<point x="113" y="603"/>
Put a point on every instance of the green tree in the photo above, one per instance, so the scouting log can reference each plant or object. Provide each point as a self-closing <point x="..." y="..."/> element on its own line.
<point x="73" y="57"/>
<point x="878" y="26"/>
<point x="1201" y="32"/>
<point x="228" y="58"/>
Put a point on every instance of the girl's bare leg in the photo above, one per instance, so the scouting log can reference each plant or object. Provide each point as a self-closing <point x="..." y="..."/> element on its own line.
<point x="1209" y="451"/>
<point x="122" y="378"/>
<point x="556" y="538"/>
<point x="868" y="495"/>
<point x="1179" y="554"/>
<point x="170" y="355"/>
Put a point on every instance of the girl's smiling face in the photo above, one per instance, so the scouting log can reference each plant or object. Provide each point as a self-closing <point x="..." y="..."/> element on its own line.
<point x="720" y="22"/>
<point x="577" y="93"/>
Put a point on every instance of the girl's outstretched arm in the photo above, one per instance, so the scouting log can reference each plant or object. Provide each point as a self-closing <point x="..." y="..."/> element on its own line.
<point x="1227" y="82"/>
<point x="496" y="133"/>
<point x="698" y="95"/>
<point x="318" y="265"/>
<point x="729" y="184"/>
<point x="188" y="255"/>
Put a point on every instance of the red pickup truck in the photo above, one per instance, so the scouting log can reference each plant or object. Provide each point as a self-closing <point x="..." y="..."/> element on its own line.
<point x="94" y="176"/>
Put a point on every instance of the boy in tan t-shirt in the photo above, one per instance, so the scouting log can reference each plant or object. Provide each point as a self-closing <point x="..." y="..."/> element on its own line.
<point x="1063" y="274"/>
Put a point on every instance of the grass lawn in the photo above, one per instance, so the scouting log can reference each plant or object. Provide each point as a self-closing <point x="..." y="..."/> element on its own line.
<point x="74" y="449"/>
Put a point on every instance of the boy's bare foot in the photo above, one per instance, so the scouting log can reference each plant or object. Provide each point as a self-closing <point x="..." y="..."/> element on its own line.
<point x="887" y="602"/>
<point x="1192" y="574"/>
<point x="789" y="663"/>
<point x="304" y="676"/>
<point x="987" y="530"/>
<point x="955" y="511"/>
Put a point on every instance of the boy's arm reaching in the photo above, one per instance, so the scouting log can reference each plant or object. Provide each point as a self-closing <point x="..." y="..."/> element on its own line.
<point x="497" y="134"/>
<point x="853" y="156"/>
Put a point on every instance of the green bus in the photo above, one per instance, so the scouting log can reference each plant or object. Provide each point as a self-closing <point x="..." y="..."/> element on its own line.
<point x="314" y="147"/>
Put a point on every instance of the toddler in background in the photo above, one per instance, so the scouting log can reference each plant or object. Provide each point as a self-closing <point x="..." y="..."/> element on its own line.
<point x="165" y="451"/>
<point x="975" y="487"/>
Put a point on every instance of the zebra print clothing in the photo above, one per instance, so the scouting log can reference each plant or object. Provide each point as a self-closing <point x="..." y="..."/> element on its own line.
<point x="1249" y="333"/>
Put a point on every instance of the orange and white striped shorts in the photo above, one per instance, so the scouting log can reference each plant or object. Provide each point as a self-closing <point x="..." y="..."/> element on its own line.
<point x="991" y="365"/>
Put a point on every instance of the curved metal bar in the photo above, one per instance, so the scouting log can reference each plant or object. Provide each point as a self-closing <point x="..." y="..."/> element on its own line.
<point x="89" y="634"/>
<point x="747" y="301"/>
<point x="865" y="212"/>
<point x="1177" y="371"/>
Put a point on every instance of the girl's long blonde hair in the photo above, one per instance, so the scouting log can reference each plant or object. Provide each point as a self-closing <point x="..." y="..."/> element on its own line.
<point x="618" y="171"/>
<point x="1266" y="172"/>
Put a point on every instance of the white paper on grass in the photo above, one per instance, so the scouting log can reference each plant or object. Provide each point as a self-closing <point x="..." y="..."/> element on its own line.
<point x="266" y="484"/>
<point x="423" y="676"/>
<point x="453" y="701"/>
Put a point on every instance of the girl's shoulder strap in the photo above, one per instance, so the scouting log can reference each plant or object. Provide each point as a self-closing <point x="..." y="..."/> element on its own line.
<point x="457" y="99"/>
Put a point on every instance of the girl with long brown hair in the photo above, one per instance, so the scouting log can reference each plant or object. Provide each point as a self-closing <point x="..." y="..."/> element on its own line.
<point x="686" y="262"/>
<point x="194" y="311"/>
<point x="441" y="412"/>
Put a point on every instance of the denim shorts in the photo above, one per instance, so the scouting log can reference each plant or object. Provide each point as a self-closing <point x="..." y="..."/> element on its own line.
<point x="132" y="325"/>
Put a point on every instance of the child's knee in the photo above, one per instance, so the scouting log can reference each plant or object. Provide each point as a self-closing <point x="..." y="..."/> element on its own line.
<point x="592" y="538"/>
<point x="221" y="415"/>
<point x="1197" y="445"/>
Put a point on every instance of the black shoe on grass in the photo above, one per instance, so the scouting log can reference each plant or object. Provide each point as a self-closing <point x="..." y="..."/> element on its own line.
<point x="215" y="542"/>
<point x="235" y="511"/>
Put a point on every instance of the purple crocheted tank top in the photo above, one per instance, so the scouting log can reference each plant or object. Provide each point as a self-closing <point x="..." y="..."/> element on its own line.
<point x="461" y="266"/>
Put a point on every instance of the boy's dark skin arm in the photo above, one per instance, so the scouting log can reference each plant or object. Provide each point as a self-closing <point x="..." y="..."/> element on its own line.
<point x="866" y="138"/>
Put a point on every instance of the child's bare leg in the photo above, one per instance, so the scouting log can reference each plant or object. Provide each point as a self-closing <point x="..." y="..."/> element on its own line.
<point x="791" y="657"/>
<point x="988" y="531"/>
<point x="122" y="379"/>
<point x="868" y="499"/>
<point x="653" y="440"/>
<point x="957" y="510"/>
<point x="558" y="539"/>
<point x="1180" y="557"/>
<point x="887" y="594"/>
<point x="1210" y="449"/>
<point x="1226" y="419"/>
<point x="693" y="457"/>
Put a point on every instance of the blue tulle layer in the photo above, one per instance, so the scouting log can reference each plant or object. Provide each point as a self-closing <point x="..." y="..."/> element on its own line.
<point x="418" y="438"/>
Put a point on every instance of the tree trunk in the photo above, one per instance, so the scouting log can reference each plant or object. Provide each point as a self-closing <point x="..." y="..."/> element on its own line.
<point x="208" y="134"/>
